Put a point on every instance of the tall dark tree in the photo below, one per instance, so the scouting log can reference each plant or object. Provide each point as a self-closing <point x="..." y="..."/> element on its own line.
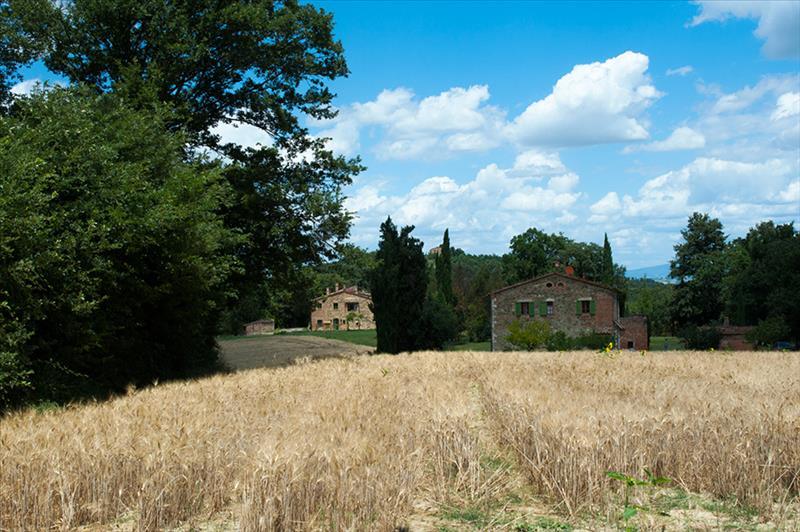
<point x="444" y="271"/>
<point x="764" y="276"/>
<point x="607" y="271"/>
<point x="211" y="63"/>
<point x="399" y="286"/>
<point x="699" y="267"/>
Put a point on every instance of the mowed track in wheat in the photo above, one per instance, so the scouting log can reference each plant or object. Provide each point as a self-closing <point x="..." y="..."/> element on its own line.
<point x="374" y="442"/>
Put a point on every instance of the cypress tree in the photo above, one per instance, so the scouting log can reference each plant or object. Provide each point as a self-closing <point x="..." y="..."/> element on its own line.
<point x="444" y="271"/>
<point x="607" y="268"/>
<point x="399" y="284"/>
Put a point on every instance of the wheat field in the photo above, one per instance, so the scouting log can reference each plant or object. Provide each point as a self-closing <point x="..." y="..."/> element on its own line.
<point x="424" y="441"/>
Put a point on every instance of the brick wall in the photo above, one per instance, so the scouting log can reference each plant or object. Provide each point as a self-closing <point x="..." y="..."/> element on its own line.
<point x="330" y="311"/>
<point x="634" y="333"/>
<point x="733" y="337"/>
<point x="565" y="292"/>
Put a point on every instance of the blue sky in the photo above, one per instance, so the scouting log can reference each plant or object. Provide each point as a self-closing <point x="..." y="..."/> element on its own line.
<point x="584" y="118"/>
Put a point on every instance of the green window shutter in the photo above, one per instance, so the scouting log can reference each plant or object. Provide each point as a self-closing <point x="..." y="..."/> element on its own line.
<point x="531" y="309"/>
<point x="542" y="308"/>
<point x="578" y="307"/>
<point x="517" y="308"/>
<point x="592" y="307"/>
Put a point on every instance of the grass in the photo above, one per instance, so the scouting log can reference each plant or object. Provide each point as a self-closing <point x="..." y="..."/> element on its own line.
<point x="470" y="346"/>
<point x="666" y="343"/>
<point x="457" y="440"/>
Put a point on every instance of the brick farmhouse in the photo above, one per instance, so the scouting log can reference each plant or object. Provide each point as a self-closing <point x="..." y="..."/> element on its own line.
<point x="570" y="304"/>
<point x="343" y="308"/>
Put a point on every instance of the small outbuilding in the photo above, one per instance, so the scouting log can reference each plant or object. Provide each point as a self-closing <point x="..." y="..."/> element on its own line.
<point x="259" y="327"/>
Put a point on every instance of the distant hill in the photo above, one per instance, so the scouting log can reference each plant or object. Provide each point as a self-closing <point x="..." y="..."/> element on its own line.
<point x="656" y="273"/>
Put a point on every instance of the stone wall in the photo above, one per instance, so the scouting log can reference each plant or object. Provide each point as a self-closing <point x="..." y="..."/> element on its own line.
<point x="330" y="312"/>
<point x="565" y="293"/>
<point x="259" y="327"/>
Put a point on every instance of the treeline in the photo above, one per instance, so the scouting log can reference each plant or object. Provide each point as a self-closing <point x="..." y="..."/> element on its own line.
<point x="426" y="301"/>
<point x="751" y="280"/>
<point x="131" y="232"/>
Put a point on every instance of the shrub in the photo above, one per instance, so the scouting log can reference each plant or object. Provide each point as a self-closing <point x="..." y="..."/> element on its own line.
<point x="593" y="341"/>
<point x="559" y="341"/>
<point x="769" y="331"/>
<point x="530" y="335"/>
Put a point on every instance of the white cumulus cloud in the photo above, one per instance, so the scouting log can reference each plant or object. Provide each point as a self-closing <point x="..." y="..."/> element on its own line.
<point x="23" y="88"/>
<point x="711" y="185"/>
<point x="788" y="105"/>
<point x="778" y="22"/>
<point x="242" y="134"/>
<point x="485" y="211"/>
<point x="593" y="104"/>
<point x="682" y="138"/>
<point x="455" y="120"/>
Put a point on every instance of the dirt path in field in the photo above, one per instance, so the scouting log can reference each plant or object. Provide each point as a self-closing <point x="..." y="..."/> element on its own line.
<point x="282" y="350"/>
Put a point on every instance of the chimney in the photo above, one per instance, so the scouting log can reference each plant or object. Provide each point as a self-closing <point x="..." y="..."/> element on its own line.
<point x="327" y="291"/>
<point x="569" y="270"/>
<point x="337" y="287"/>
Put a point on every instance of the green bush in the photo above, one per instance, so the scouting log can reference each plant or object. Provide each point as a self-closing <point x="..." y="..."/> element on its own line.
<point x="593" y="341"/>
<point x="769" y="331"/>
<point x="559" y="341"/>
<point x="528" y="336"/>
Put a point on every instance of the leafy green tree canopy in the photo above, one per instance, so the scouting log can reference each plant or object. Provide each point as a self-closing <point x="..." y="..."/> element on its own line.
<point x="113" y="257"/>
<point x="208" y="63"/>
<point x="699" y="266"/>
<point x="259" y="62"/>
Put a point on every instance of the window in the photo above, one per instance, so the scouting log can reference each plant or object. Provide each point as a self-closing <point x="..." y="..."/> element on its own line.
<point x="525" y="308"/>
<point x="336" y="306"/>
<point x="560" y="284"/>
<point x="549" y="285"/>
<point x="319" y="324"/>
<point x="630" y="344"/>
<point x="351" y="307"/>
<point x="586" y="306"/>
<point x="319" y="305"/>
<point x="549" y="308"/>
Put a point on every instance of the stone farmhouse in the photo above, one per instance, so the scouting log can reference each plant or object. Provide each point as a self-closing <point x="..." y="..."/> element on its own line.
<point x="571" y="304"/>
<point x="342" y="309"/>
